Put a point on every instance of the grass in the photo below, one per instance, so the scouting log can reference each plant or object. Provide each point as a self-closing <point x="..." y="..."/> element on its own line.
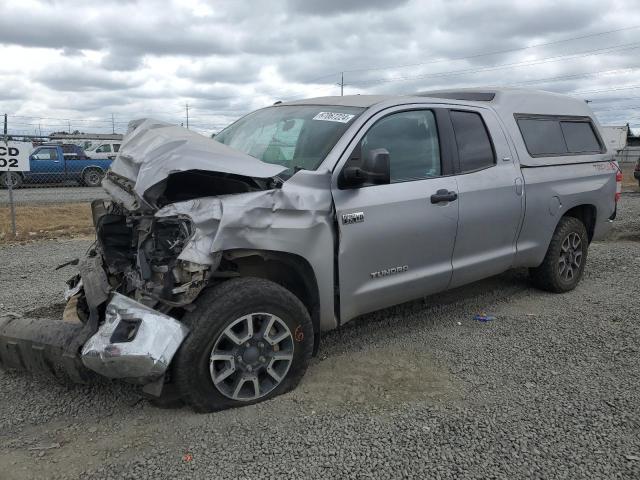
<point x="46" y="221"/>
<point x="628" y="181"/>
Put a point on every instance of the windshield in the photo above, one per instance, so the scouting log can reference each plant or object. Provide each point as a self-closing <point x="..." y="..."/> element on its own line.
<point x="296" y="137"/>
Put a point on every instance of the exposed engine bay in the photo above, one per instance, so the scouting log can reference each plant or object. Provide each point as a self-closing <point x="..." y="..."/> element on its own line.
<point x="140" y="254"/>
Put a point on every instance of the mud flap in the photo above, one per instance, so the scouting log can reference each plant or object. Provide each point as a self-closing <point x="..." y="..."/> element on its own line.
<point x="49" y="346"/>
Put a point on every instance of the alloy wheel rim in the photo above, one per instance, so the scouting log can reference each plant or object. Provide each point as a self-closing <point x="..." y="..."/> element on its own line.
<point x="570" y="257"/>
<point x="251" y="357"/>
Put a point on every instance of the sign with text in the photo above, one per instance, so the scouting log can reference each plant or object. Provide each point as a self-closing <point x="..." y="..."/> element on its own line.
<point x="14" y="156"/>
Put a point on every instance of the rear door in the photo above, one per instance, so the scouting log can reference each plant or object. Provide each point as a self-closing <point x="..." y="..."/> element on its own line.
<point x="491" y="197"/>
<point x="394" y="243"/>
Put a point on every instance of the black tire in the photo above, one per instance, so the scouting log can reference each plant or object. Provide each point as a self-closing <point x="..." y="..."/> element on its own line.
<point x="92" y="177"/>
<point x="550" y="275"/>
<point x="15" y="177"/>
<point x="169" y="399"/>
<point x="217" y="310"/>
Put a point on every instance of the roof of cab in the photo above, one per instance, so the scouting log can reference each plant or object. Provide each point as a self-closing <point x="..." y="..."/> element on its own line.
<point x="344" y="101"/>
<point x="507" y="100"/>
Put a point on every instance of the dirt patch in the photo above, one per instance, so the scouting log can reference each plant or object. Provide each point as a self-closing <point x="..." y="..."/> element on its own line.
<point x="629" y="237"/>
<point x="384" y="376"/>
<point x="46" y="221"/>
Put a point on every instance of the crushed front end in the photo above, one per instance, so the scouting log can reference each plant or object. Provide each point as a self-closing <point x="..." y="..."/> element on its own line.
<point x="121" y="306"/>
<point x="145" y="269"/>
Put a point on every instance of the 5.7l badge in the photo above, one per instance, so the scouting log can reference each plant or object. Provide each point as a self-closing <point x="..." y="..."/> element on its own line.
<point x="355" y="217"/>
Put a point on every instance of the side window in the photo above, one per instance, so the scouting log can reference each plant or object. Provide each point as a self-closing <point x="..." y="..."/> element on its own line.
<point x="412" y="141"/>
<point x="474" y="146"/>
<point x="542" y="136"/>
<point x="104" y="149"/>
<point x="580" y="137"/>
<point x="553" y="136"/>
<point x="116" y="147"/>
<point x="46" y="154"/>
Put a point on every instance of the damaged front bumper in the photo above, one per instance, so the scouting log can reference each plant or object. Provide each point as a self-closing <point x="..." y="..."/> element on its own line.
<point x="135" y="342"/>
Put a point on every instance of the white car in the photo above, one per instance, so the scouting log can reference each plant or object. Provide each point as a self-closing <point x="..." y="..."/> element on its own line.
<point x="104" y="150"/>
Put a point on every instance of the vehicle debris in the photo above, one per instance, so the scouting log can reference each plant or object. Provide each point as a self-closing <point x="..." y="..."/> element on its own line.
<point x="483" y="317"/>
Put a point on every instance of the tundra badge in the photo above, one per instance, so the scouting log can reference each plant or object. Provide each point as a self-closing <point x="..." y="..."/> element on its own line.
<point x="390" y="271"/>
<point x="355" y="217"/>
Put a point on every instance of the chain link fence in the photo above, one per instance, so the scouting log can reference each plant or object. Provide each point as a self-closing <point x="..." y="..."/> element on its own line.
<point x="52" y="194"/>
<point x="628" y="155"/>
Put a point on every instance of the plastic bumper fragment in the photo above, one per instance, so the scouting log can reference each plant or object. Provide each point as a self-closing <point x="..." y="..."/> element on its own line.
<point x="135" y="342"/>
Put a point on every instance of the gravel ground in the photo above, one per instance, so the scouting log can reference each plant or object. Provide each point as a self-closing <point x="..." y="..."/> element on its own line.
<point x="549" y="389"/>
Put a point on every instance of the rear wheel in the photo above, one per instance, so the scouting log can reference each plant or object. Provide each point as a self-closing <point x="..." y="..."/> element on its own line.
<point x="250" y="340"/>
<point x="13" y="178"/>
<point x="92" y="177"/>
<point x="564" y="263"/>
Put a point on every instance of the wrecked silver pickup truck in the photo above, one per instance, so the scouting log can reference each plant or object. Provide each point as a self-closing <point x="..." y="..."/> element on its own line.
<point x="218" y="263"/>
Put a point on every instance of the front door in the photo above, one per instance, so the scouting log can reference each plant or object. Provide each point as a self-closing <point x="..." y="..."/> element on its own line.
<point x="47" y="166"/>
<point x="395" y="241"/>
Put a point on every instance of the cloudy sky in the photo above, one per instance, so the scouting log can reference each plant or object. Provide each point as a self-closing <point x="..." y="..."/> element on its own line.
<point x="79" y="62"/>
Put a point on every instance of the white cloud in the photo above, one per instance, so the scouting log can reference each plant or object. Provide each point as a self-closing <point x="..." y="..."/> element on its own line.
<point x="87" y="60"/>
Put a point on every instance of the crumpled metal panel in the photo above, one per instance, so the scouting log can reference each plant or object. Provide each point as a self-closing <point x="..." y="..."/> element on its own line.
<point x="152" y="150"/>
<point x="296" y="218"/>
<point x="134" y="342"/>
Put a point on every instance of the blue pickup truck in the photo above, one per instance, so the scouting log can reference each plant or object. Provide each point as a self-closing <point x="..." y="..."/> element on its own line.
<point x="59" y="164"/>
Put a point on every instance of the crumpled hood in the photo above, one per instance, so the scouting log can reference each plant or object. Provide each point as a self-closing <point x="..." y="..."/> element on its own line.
<point x="152" y="150"/>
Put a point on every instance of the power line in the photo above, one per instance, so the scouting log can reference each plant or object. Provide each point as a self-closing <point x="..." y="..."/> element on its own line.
<point x="605" y="90"/>
<point x="485" y="54"/>
<point x="556" y="58"/>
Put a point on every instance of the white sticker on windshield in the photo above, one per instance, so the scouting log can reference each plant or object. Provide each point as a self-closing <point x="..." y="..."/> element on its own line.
<point x="334" y="117"/>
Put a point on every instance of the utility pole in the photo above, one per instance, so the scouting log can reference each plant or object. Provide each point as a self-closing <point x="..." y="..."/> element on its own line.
<point x="187" y="107"/>
<point x="39" y="128"/>
<point x="113" y="124"/>
<point x="69" y="126"/>
<point x="341" y="84"/>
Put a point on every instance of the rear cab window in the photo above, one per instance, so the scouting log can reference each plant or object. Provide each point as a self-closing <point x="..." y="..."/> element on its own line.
<point x="475" y="149"/>
<point x="553" y="136"/>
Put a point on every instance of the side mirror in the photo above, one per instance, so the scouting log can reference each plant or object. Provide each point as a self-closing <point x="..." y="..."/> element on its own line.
<point x="375" y="169"/>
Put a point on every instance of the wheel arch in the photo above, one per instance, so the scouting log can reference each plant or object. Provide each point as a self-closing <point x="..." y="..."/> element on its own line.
<point x="91" y="167"/>
<point x="289" y="270"/>
<point x="587" y="214"/>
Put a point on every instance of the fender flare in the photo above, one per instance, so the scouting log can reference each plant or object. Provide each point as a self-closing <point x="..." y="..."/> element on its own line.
<point x="95" y="167"/>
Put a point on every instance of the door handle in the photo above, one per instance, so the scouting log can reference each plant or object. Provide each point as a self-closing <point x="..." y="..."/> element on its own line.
<point x="444" y="196"/>
<point x="56" y="161"/>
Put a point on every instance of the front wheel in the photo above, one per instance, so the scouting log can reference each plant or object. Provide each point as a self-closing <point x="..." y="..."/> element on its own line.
<point x="250" y="340"/>
<point x="563" y="265"/>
